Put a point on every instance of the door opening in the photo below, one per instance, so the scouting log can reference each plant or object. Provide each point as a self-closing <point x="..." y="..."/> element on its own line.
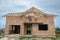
<point x="28" y="29"/>
<point x="14" y="29"/>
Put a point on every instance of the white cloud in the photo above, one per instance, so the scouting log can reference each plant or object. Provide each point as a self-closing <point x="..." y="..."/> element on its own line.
<point x="13" y="5"/>
<point x="52" y="6"/>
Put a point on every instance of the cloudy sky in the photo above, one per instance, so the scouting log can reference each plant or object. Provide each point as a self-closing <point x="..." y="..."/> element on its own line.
<point x="48" y="6"/>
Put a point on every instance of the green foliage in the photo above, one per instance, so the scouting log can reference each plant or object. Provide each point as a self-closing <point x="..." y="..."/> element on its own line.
<point x="1" y="33"/>
<point x="57" y="30"/>
<point x="29" y="28"/>
<point x="57" y="34"/>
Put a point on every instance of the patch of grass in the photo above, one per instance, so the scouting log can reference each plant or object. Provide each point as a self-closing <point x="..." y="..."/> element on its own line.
<point x="29" y="37"/>
<point x="24" y="37"/>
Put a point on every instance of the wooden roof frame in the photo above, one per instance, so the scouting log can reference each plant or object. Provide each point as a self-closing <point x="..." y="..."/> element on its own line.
<point x="31" y="10"/>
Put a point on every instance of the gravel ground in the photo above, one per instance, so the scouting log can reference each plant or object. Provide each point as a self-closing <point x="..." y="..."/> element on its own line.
<point x="4" y="38"/>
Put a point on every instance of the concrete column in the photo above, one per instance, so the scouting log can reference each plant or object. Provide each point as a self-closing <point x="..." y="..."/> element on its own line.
<point x="22" y="29"/>
<point x="7" y="30"/>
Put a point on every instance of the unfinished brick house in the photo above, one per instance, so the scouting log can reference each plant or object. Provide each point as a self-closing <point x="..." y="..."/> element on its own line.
<point x="30" y="22"/>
